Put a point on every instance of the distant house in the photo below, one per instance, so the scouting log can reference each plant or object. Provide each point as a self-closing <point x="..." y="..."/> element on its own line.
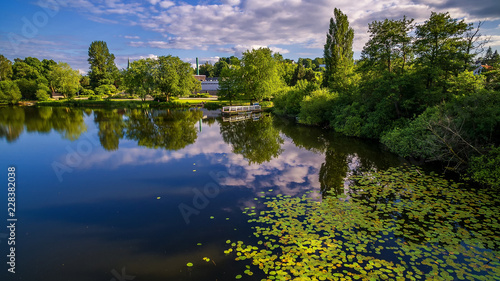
<point x="200" y="77"/>
<point x="480" y="68"/>
<point x="209" y="85"/>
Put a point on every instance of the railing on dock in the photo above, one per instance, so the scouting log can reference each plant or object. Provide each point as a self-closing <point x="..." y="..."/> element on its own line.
<point x="241" y="117"/>
<point x="237" y="109"/>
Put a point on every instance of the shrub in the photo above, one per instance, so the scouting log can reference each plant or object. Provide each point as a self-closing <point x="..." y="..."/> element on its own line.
<point x="314" y="109"/>
<point x="288" y="102"/>
<point x="413" y="139"/>
<point x="96" y="98"/>
<point x="87" y="92"/>
<point x="9" y="92"/>
<point x="42" y="95"/>
<point x="485" y="169"/>
<point x="105" y="90"/>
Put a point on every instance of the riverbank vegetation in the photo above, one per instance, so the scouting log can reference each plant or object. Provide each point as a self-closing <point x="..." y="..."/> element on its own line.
<point x="414" y="89"/>
<point x="427" y="91"/>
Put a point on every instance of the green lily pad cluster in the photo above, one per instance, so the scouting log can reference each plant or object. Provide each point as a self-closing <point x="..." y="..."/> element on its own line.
<point x="398" y="224"/>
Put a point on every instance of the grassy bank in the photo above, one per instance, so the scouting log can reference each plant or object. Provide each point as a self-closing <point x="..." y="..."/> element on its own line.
<point x="123" y="103"/>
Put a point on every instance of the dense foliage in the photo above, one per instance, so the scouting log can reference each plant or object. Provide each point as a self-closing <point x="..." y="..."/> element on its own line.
<point x="413" y="89"/>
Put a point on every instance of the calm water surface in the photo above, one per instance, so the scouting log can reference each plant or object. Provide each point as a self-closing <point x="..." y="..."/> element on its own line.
<point x="136" y="194"/>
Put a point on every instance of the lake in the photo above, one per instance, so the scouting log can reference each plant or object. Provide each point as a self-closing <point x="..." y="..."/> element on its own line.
<point x="160" y="194"/>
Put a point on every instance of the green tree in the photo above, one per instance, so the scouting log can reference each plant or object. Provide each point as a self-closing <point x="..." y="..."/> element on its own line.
<point x="9" y="92"/>
<point x="5" y="68"/>
<point x="63" y="79"/>
<point x="23" y="70"/>
<point x="228" y="84"/>
<point x="173" y="77"/>
<point x="389" y="46"/>
<point x="441" y="49"/>
<point x="259" y="74"/>
<point x="207" y="69"/>
<point x="102" y="64"/>
<point x="302" y="73"/>
<point x="139" y="77"/>
<point x="338" y="53"/>
<point x="220" y="65"/>
<point x="46" y="66"/>
<point x="35" y="63"/>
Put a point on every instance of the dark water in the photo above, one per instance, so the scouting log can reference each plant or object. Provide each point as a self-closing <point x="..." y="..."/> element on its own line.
<point x="137" y="194"/>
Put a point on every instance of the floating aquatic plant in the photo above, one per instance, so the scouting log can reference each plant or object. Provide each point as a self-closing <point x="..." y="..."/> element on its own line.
<point x="398" y="224"/>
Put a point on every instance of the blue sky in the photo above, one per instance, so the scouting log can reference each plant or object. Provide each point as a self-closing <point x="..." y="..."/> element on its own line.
<point x="63" y="29"/>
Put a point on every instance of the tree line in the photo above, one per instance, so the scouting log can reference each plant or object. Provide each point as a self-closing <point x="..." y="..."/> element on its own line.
<point x="32" y="79"/>
<point x="413" y="88"/>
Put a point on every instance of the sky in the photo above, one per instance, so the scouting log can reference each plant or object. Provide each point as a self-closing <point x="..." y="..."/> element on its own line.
<point x="62" y="30"/>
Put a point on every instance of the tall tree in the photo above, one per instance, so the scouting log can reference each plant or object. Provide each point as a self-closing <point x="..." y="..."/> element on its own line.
<point x="5" y="68"/>
<point x="389" y="45"/>
<point x="228" y="84"/>
<point x="102" y="64"/>
<point x="259" y="74"/>
<point x="441" y="49"/>
<point x="63" y="79"/>
<point x="338" y="53"/>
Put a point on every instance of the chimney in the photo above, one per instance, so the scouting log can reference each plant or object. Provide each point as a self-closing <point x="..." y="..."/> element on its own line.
<point x="197" y="67"/>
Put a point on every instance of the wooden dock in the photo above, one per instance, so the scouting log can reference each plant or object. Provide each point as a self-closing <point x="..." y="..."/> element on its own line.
<point x="241" y="109"/>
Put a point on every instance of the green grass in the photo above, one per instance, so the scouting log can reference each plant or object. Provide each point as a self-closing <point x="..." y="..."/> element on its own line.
<point x="174" y="103"/>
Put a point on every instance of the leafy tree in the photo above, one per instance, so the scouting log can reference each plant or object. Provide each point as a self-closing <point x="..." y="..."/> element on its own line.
<point x="389" y="46"/>
<point x="63" y="79"/>
<point x="174" y="77"/>
<point x="338" y="53"/>
<point x="23" y="70"/>
<point x="228" y="84"/>
<point x="35" y="63"/>
<point x="220" y="65"/>
<point x="440" y="47"/>
<point x="46" y="66"/>
<point x="5" y="68"/>
<point x="9" y="92"/>
<point x="28" y="88"/>
<point x="207" y="69"/>
<point x="102" y="64"/>
<point x="139" y="77"/>
<point x="317" y="62"/>
<point x="302" y="73"/>
<point x="259" y="74"/>
<point x="85" y="81"/>
<point x="287" y="70"/>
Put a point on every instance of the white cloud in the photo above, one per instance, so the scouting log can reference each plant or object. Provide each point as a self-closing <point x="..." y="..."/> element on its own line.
<point x="234" y="25"/>
<point x="166" y="4"/>
<point x="131" y="37"/>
